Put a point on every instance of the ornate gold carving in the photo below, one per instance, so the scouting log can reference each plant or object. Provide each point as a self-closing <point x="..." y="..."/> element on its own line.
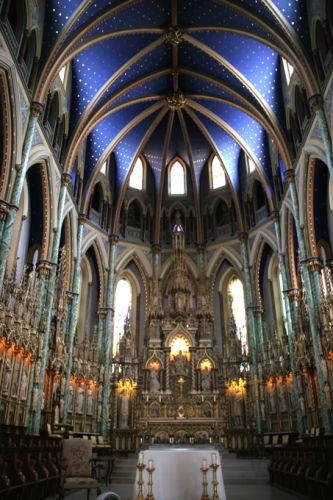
<point x="174" y="35"/>
<point x="176" y="100"/>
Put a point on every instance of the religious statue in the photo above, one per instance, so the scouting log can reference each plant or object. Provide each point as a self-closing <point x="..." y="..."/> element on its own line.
<point x="282" y="398"/>
<point x="80" y="399"/>
<point x="237" y="407"/>
<point x="89" y="401"/>
<point x="24" y="382"/>
<point x="328" y="395"/>
<point x="70" y="398"/>
<point x="272" y="399"/>
<point x="179" y="365"/>
<point x="7" y="376"/>
<point x="123" y="410"/>
<point x="154" y="383"/>
<point x="205" y="380"/>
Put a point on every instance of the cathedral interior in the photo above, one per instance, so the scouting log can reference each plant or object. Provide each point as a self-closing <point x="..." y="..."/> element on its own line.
<point x="166" y="228"/>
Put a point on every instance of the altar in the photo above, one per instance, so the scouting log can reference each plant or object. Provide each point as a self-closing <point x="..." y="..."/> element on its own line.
<point x="177" y="474"/>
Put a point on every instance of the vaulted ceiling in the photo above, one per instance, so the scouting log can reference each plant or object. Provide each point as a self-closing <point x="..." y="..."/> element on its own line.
<point x="168" y="77"/>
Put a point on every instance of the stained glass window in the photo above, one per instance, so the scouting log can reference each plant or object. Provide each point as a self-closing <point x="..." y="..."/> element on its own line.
<point x="177" y="178"/>
<point x="103" y="168"/>
<point x="236" y="298"/>
<point x="136" y="178"/>
<point x="251" y="165"/>
<point x="218" y="174"/>
<point x="122" y="309"/>
<point x="62" y="73"/>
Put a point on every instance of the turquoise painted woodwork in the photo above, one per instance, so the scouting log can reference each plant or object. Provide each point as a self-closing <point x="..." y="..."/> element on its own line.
<point x="251" y="328"/>
<point x="49" y="301"/>
<point x="326" y="418"/>
<point x="73" y="318"/>
<point x="288" y="327"/>
<point x="108" y="336"/>
<point x="8" y="228"/>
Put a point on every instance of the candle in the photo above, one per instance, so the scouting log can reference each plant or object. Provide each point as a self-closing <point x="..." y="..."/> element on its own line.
<point x="150" y="464"/>
<point x="140" y="458"/>
<point x="214" y="458"/>
<point x="204" y="463"/>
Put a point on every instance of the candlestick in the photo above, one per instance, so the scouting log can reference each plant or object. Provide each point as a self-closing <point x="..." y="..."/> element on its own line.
<point x="150" y="470"/>
<point x="140" y="467"/>
<point x="214" y="458"/>
<point x="140" y="458"/>
<point x="215" y="482"/>
<point x="204" y="470"/>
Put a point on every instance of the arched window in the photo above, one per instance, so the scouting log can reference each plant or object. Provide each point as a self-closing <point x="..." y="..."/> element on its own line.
<point x="177" y="179"/>
<point x="136" y="177"/>
<point x="235" y="292"/>
<point x="134" y="215"/>
<point x="97" y="198"/>
<point x="288" y="70"/>
<point x="301" y="108"/>
<point x="122" y="312"/>
<point x="217" y="174"/>
<point x="17" y="21"/>
<point x="258" y="196"/>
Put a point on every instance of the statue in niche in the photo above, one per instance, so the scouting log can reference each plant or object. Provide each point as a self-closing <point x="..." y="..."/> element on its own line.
<point x="154" y="382"/>
<point x="328" y="395"/>
<point x="80" y="399"/>
<point x="24" y="382"/>
<point x="205" y="380"/>
<point x="16" y="377"/>
<point x="70" y="398"/>
<point x="207" y="410"/>
<point x="282" y="395"/>
<point x="272" y="400"/>
<point x="123" y="410"/>
<point x="179" y="365"/>
<point x="237" y="407"/>
<point x="7" y="376"/>
<point x="324" y="370"/>
<point x="89" y="401"/>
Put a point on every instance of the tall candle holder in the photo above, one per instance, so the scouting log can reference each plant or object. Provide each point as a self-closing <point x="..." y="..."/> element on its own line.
<point x="140" y="467"/>
<point x="215" y="482"/>
<point x="204" y="470"/>
<point x="150" y="470"/>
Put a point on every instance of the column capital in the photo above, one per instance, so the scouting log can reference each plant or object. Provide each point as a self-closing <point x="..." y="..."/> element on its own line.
<point x="314" y="264"/>
<point x="66" y="179"/>
<point x="102" y="312"/>
<point x="275" y="215"/>
<point x="293" y="293"/>
<point x="36" y="109"/>
<point x="44" y="267"/>
<point x="201" y="247"/>
<point x="156" y="247"/>
<point x="243" y="236"/>
<point x="82" y="218"/>
<point x="316" y="102"/>
<point x="290" y="175"/>
<point x="4" y="210"/>
<point x="113" y="239"/>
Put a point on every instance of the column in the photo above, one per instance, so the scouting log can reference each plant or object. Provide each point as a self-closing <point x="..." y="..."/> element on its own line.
<point x="326" y="420"/>
<point x="101" y="331"/>
<point x="251" y="324"/>
<point x="43" y="269"/>
<point x="65" y="180"/>
<point x="73" y="314"/>
<point x="314" y="271"/>
<point x="108" y="333"/>
<point x="7" y="232"/>
<point x="317" y="105"/>
<point x="4" y="209"/>
<point x="287" y="319"/>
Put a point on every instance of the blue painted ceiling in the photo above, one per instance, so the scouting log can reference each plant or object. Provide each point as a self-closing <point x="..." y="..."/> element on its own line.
<point x="224" y="65"/>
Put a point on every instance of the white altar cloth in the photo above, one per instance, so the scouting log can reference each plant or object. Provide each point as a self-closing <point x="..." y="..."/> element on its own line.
<point x="177" y="474"/>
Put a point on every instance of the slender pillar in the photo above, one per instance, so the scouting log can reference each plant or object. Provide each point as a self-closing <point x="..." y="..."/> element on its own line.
<point x="251" y="325"/>
<point x="314" y="271"/>
<point x="108" y="334"/>
<point x="101" y="332"/>
<point x="326" y="419"/>
<point x="288" y="324"/>
<point x="73" y="315"/>
<point x="65" y="180"/>
<point x="44" y="268"/>
<point x="4" y="209"/>
<point x="317" y="105"/>
<point x="7" y="232"/>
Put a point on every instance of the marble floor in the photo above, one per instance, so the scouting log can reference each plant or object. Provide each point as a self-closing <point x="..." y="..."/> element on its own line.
<point x="244" y="479"/>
